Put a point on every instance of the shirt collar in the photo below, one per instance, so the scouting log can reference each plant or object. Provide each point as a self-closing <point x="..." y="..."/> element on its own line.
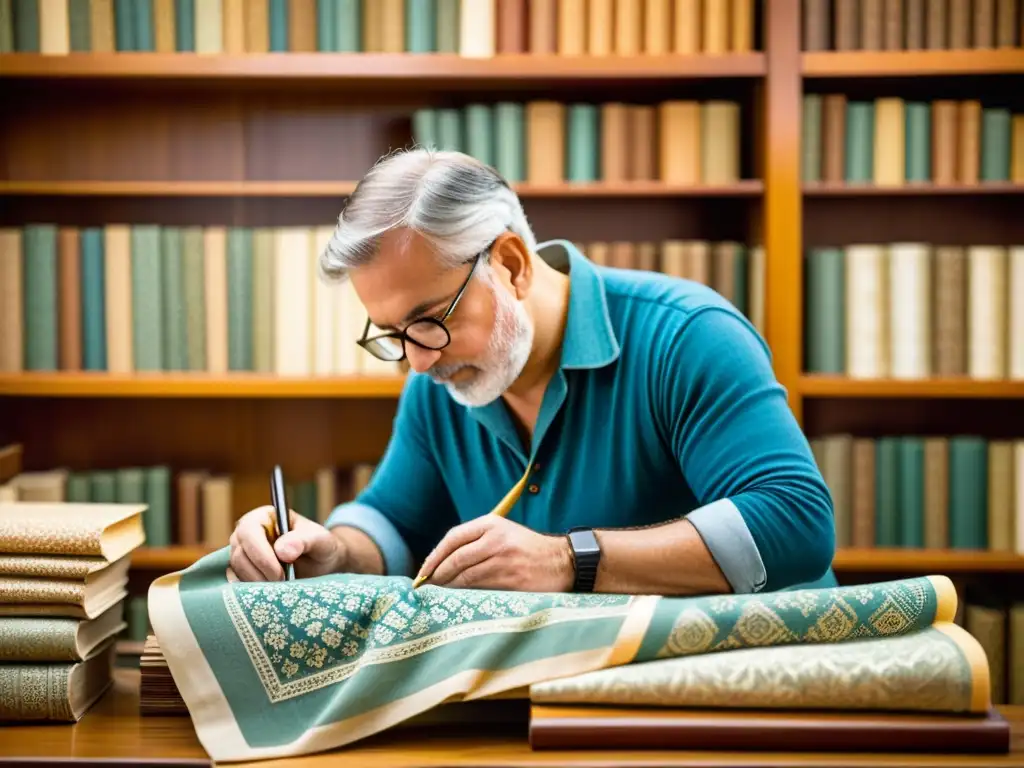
<point x="589" y="340"/>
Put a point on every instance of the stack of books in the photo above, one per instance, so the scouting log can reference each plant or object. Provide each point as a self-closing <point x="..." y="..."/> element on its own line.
<point x="158" y="693"/>
<point x="63" y="586"/>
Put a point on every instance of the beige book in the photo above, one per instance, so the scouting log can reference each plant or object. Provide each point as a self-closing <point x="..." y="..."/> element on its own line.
<point x="698" y="261"/>
<point x="476" y="28"/>
<point x="936" y="493"/>
<point x="263" y="299"/>
<point x="572" y="27"/>
<point x="164" y="26"/>
<point x="51" y="639"/>
<point x="45" y="485"/>
<point x="614" y="142"/>
<point x="1001" y="496"/>
<point x="88" y="597"/>
<point x="543" y="21"/>
<point x="292" y="331"/>
<point x="686" y="27"/>
<point x="1018" y="495"/>
<point x="372" y="12"/>
<point x="1016" y="649"/>
<point x="545" y="142"/>
<point x="866" y="327"/>
<point x="12" y="310"/>
<point x="215" y="271"/>
<point x="101" y="26"/>
<point x="86" y="529"/>
<point x="909" y="298"/>
<point x="209" y="20"/>
<point x="322" y="328"/>
<point x="600" y="27"/>
<point x="968" y="141"/>
<point x="1015" y="305"/>
<point x="657" y="27"/>
<point x="599" y="253"/>
<point x="715" y="18"/>
<point x="302" y="25"/>
<point x="629" y="30"/>
<point x="117" y="287"/>
<point x="60" y="692"/>
<point x="233" y="23"/>
<point x="720" y="142"/>
<point x="54" y="27"/>
<point x="8" y="492"/>
<point x="889" y="143"/>
<point x="326" y="493"/>
<point x="257" y="26"/>
<point x="986" y="311"/>
<point x="673" y="258"/>
<point x="393" y="30"/>
<point x="741" y="26"/>
<point x="218" y="511"/>
<point x="679" y="142"/>
<point x="349" y="321"/>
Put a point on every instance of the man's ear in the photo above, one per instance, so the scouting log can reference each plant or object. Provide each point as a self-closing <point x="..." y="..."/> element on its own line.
<point x="511" y="259"/>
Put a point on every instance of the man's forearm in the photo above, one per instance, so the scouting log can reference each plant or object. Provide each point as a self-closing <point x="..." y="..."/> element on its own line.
<point x="361" y="553"/>
<point x="669" y="559"/>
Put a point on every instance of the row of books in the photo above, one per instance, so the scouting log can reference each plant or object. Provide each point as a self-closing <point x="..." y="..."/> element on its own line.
<point x="996" y="620"/>
<point x="892" y="141"/>
<point x="187" y="507"/>
<point x="914" y="310"/>
<point x="734" y="270"/>
<point x="912" y="25"/>
<point x="925" y="491"/>
<point x="548" y="142"/>
<point x="145" y="297"/>
<point x="472" y="28"/>
<point x="63" y="593"/>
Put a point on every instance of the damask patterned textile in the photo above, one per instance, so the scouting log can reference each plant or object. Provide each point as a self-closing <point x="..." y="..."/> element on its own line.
<point x="278" y="669"/>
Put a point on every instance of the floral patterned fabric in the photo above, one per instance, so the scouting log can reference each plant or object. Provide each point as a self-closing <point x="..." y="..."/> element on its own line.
<point x="280" y="669"/>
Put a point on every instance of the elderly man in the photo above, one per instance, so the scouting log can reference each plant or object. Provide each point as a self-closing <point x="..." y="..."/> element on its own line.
<point x="655" y="449"/>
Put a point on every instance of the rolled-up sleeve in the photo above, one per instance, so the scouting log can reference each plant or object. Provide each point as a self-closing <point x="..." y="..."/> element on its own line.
<point x="766" y="513"/>
<point x="405" y="508"/>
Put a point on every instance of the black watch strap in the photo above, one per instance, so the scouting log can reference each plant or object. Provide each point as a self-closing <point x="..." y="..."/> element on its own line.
<point x="587" y="555"/>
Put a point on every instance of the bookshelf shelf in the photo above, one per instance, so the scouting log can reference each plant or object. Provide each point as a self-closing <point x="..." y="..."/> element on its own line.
<point x="745" y="188"/>
<point x="913" y="190"/>
<point x="912" y="63"/>
<point x="841" y="386"/>
<point x="403" y="69"/>
<point x="926" y="561"/>
<point x="846" y="560"/>
<point x="198" y="385"/>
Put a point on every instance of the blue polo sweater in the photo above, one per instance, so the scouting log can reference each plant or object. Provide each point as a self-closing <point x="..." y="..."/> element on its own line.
<point x="664" y="405"/>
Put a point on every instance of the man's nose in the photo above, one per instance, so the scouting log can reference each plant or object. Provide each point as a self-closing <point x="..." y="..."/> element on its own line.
<point x="421" y="359"/>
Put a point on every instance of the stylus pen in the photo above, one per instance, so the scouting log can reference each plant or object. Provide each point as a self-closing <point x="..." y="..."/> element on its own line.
<point x="280" y="502"/>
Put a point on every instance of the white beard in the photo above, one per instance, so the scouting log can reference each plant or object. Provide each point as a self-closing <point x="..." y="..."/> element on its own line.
<point x="505" y="357"/>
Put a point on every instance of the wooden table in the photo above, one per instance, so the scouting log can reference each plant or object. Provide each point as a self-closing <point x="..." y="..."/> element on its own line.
<point x="113" y="733"/>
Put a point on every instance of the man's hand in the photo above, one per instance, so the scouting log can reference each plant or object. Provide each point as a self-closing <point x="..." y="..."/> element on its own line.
<point x="491" y="552"/>
<point x="313" y="549"/>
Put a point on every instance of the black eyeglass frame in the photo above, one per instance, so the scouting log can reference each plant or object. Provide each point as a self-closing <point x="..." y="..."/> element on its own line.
<point x="435" y="321"/>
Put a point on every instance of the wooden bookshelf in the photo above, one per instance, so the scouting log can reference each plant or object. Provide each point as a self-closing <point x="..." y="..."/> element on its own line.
<point x="937" y="63"/>
<point x="379" y="69"/>
<point x="872" y="560"/>
<point x="332" y="189"/>
<point x="913" y="189"/>
<point x="841" y="386"/>
<point x="196" y="385"/>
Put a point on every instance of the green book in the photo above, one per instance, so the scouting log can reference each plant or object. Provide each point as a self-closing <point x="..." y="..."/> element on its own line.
<point x="510" y="141"/>
<point x="480" y="133"/>
<point x="860" y="138"/>
<point x="447" y="30"/>
<point x="582" y="143"/>
<point x="185" y="25"/>
<point x="40" y="303"/>
<point x="26" y="25"/>
<point x="420" y="26"/>
<point x="147" y="298"/>
<point x="172" y="278"/>
<point x="918" y="148"/>
<point x="348" y="38"/>
<point x="138" y="618"/>
<point x="103" y="487"/>
<point x="887" y="498"/>
<point x="94" y="319"/>
<point x="157" y="518"/>
<point x="810" y="138"/>
<point x="278" y="22"/>
<point x="125" y="26"/>
<point x="911" y="491"/>
<point x="995" y="144"/>
<point x="195" y="297"/>
<point x="305" y="499"/>
<point x="79" y="488"/>
<point x="79" y="25"/>
<point x="326" y="25"/>
<point x="826" y="311"/>
<point x="145" y="39"/>
<point x="424" y="128"/>
<point x="240" y="298"/>
<point x="968" y="492"/>
<point x="6" y="27"/>
<point x="449" y="129"/>
<point x="131" y="486"/>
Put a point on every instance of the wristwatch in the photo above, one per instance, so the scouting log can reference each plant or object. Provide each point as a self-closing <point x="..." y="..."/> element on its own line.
<point x="586" y="553"/>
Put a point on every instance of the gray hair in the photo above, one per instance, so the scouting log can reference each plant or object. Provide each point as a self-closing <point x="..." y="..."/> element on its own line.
<point x="454" y="201"/>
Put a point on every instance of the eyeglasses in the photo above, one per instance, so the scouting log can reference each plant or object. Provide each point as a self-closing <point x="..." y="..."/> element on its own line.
<point x="427" y="332"/>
